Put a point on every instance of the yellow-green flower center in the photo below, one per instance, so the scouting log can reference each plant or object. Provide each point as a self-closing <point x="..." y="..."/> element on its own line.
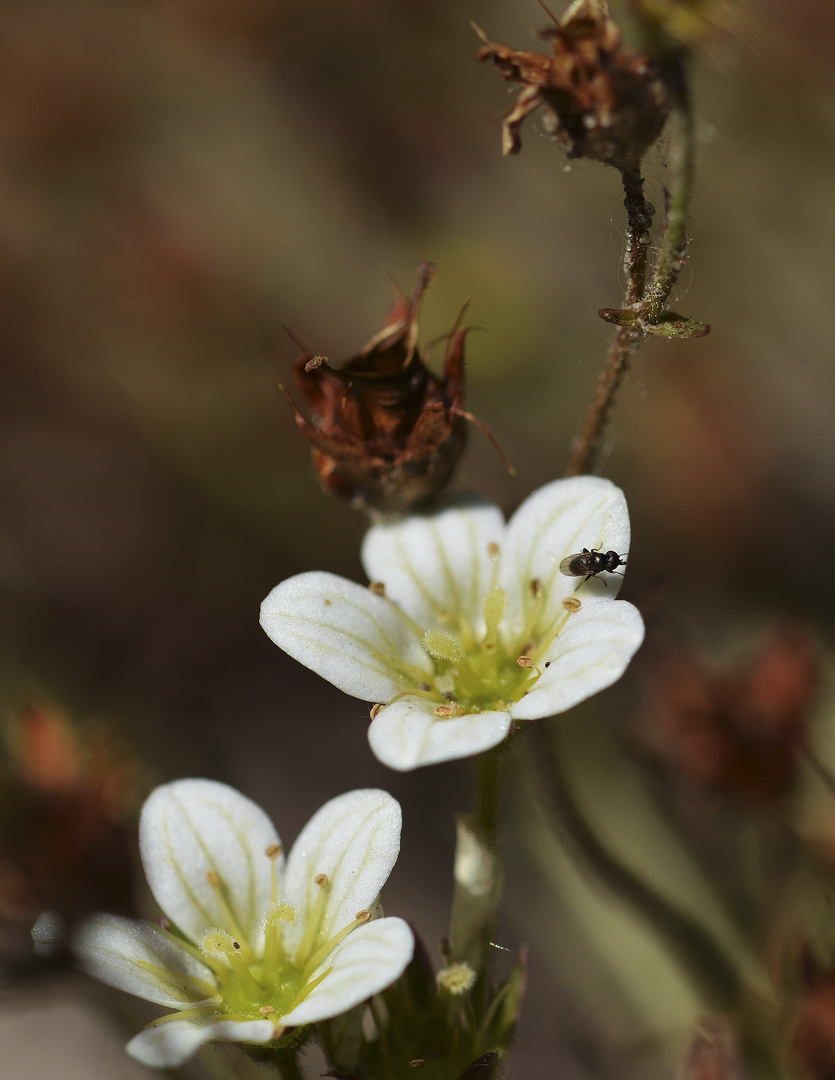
<point x="479" y="672"/>
<point x="252" y="982"/>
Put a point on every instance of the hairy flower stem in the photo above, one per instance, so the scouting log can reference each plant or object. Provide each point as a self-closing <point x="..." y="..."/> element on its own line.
<point x="646" y="301"/>
<point x="585" y="450"/>
<point x="682" y="168"/>
<point x="712" y="974"/>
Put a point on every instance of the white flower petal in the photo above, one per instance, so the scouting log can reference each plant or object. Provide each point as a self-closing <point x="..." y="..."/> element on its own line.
<point x="435" y="563"/>
<point x="172" y="1042"/>
<point x="366" y="962"/>
<point x="407" y="734"/>
<point x="591" y="652"/>
<point x="354" y="839"/>
<point x="137" y="958"/>
<point x="345" y="633"/>
<point x="192" y="826"/>
<point x="558" y="520"/>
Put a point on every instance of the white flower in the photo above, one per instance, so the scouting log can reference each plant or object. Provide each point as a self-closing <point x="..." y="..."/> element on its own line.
<point x="468" y="626"/>
<point x="253" y="946"/>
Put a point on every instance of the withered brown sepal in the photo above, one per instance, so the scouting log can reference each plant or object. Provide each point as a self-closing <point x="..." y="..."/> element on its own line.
<point x="386" y="433"/>
<point x="599" y="100"/>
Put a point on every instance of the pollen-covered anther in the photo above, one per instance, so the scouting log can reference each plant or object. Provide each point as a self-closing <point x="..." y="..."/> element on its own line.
<point x="441" y="645"/>
<point x="377" y="587"/>
<point x="375" y="710"/>
<point x="446" y="711"/>
<point x="363" y="916"/>
<point x="266" y="1010"/>
<point x="572" y="604"/>
<point x="282" y="912"/>
<point x="457" y="978"/>
<point x="321" y="880"/>
<point x="273" y="851"/>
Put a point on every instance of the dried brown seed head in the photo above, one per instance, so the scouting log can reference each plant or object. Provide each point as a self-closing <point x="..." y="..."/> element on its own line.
<point x="599" y="99"/>
<point x="386" y="433"/>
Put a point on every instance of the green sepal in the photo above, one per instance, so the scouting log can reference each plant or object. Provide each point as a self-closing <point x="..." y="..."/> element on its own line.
<point x="499" y="1025"/>
<point x="620" y="317"/>
<point x="670" y="325"/>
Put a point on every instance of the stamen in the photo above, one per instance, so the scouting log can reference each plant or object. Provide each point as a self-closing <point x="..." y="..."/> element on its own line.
<point x="229" y="917"/>
<point x="311" y="931"/>
<point x="443" y="646"/>
<point x="219" y="943"/>
<point x="273" y="851"/>
<point x="328" y="947"/>
<point x="197" y="989"/>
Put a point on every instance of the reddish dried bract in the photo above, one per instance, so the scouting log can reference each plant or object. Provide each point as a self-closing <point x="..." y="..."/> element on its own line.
<point x="599" y="100"/>
<point x="386" y="432"/>
<point x="738" y="732"/>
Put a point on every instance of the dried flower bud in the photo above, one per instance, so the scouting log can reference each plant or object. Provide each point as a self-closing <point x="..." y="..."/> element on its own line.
<point x="599" y="100"/>
<point x="386" y="432"/>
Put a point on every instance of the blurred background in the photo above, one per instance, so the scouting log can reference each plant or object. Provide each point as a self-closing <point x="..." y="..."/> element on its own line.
<point x="180" y="179"/>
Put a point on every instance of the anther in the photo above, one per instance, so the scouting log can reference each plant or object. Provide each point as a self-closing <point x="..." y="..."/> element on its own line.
<point x="273" y="851"/>
<point x="571" y="603"/>
<point x="363" y="916"/>
<point x="321" y="880"/>
<point x="213" y="878"/>
<point x="377" y="587"/>
<point x="493" y="549"/>
<point x="266" y="1010"/>
<point x="536" y="588"/>
<point x="376" y="710"/>
<point x="446" y="711"/>
<point x="526" y="662"/>
<point x="417" y="1063"/>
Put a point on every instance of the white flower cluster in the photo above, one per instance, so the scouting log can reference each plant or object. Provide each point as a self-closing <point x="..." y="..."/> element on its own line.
<point x="469" y="627"/>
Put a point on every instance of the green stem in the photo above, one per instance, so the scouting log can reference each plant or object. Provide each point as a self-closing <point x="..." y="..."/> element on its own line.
<point x="488" y="795"/>
<point x="711" y="973"/>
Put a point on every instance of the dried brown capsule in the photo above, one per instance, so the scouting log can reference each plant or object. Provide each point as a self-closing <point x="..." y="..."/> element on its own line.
<point x="599" y="100"/>
<point x="386" y="433"/>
